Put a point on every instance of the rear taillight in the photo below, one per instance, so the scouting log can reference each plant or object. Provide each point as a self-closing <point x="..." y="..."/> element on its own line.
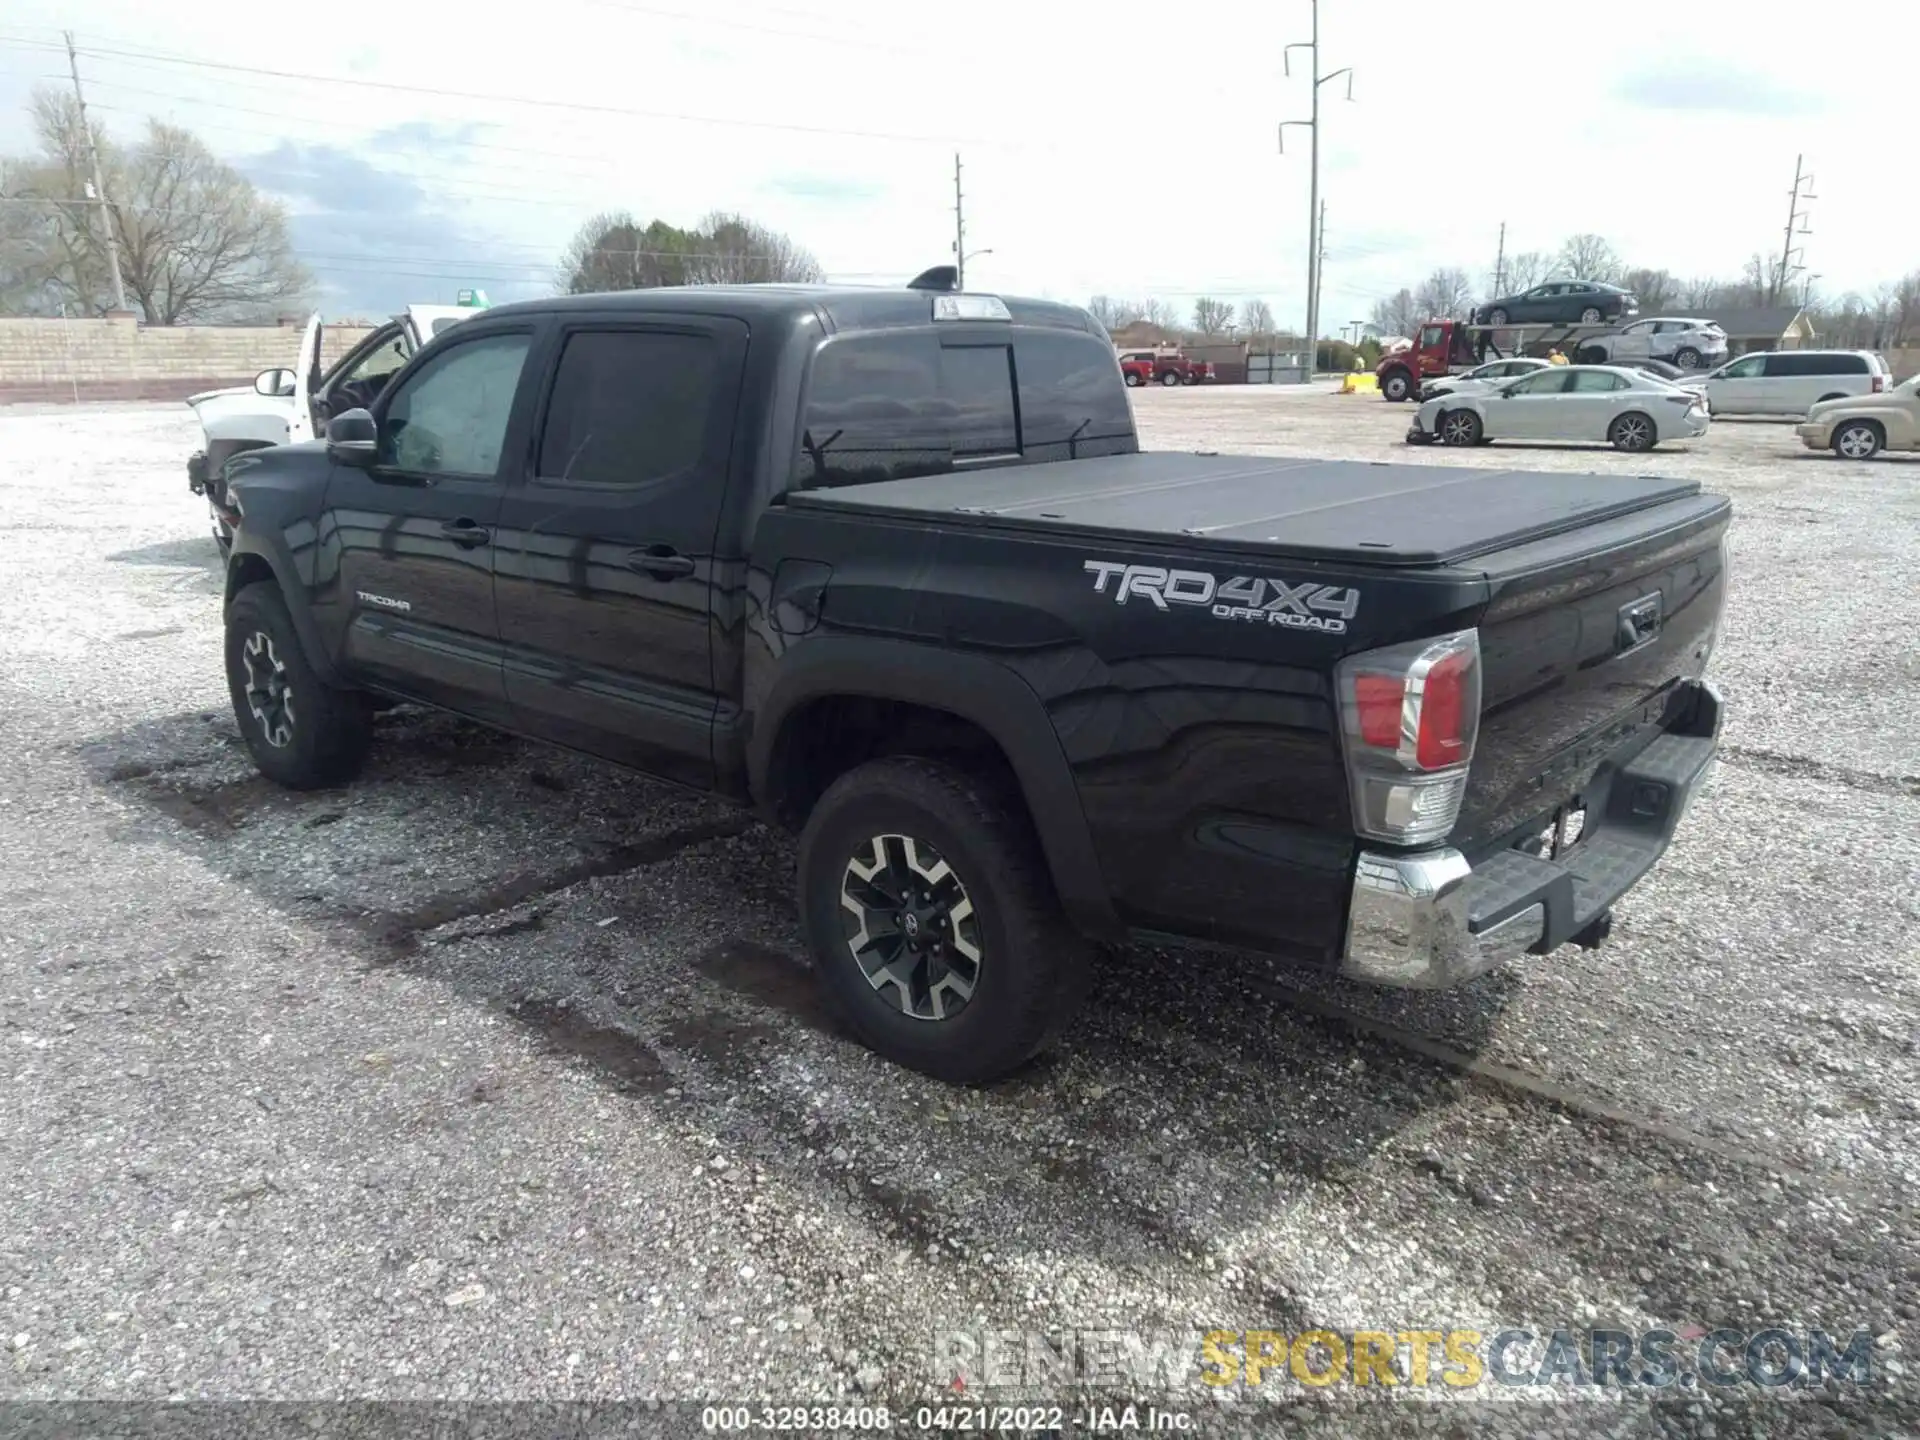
<point x="1409" y="716"/>
<point x="1879" y="383"/>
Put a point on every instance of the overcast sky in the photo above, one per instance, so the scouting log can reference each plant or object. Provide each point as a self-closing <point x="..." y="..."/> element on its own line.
<point x="1123" y="148"/>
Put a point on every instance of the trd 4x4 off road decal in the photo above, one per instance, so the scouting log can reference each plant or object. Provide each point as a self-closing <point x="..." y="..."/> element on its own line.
<point x="1259" y="599"/>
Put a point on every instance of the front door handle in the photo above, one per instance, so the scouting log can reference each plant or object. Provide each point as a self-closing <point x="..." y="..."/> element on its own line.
<point x="662" y="562"/>
<point x="465" y="533"/>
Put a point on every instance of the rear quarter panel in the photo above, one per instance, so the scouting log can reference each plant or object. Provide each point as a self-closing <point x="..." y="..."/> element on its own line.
<point x="1203" y="748"/>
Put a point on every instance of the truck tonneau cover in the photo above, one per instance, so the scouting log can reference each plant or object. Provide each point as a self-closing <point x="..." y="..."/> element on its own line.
<point x="1334" y="510"/>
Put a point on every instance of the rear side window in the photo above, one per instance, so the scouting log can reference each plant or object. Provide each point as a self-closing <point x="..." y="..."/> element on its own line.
<point x="895" y="405"/>
<point x="1589" y="381"/>
<point x="629" y="407"/>
<point x="1791" y="363"/>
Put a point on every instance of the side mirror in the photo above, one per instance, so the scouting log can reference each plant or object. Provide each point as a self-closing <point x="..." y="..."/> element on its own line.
<point x="351" y="439"/>
<point x="278" y="383"/>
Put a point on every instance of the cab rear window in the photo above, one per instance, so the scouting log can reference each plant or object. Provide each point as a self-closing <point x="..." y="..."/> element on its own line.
<point x="904" y="403"/>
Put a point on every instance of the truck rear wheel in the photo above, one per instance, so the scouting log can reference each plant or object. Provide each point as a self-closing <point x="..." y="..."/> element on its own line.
<point x="301" y="732"/>
<point x="1170" y="378"/>
<point x="935" y="931"/>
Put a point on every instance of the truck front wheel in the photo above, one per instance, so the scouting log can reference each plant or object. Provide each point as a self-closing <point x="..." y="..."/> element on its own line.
<point x="1397" y="385"/>
<point x="1170" y="378"/>
<point x="935" y="931"/>
<point x="301" y="732"/>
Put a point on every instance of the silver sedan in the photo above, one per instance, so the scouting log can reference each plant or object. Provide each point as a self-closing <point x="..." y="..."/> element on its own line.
<point x="1583" y="403"/>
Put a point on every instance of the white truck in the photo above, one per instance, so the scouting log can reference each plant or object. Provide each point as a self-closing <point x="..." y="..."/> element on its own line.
<point x="285" y="406"/>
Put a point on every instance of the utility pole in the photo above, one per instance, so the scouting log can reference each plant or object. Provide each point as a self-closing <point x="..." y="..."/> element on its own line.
<point x="99" y="186"/>
<point x="1312" y="46"/>
<point x="959" y="229"/>
<point x="1500" y="263"/>
<point x="1319" y="274"/>
<point x="1795" y="226"/>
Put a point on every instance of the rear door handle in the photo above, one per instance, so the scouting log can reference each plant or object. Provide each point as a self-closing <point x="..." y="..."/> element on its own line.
<point x="662" y="562"/>
<point x="465" y="533"/>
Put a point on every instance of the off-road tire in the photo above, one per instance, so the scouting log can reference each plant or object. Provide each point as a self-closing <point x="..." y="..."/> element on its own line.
<point x="1033" y="965"/>
<point x="327" y="731"/>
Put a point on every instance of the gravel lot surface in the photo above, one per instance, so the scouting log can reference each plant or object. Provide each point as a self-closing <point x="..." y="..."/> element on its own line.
<point x="498" y="1075"/>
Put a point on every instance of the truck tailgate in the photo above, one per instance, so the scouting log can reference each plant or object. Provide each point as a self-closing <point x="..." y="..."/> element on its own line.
<point x="1585" y="638"/>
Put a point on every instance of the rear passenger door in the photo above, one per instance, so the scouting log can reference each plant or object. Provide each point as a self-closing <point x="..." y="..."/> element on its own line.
<point x="607" y="542"/>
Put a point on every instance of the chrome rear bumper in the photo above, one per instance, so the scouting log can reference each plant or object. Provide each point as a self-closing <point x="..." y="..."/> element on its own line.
<point x="1430" y="919"/>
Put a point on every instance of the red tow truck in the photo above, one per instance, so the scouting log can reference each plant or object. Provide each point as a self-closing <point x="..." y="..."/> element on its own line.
<point x="1448" y="347"/>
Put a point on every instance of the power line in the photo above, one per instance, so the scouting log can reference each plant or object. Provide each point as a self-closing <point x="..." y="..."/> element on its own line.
<point x="538" y="102"/>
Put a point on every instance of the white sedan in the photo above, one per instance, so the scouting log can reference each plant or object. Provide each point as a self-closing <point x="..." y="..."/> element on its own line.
<point x="1485" y="377"/>
<point x="1626" y="408"/>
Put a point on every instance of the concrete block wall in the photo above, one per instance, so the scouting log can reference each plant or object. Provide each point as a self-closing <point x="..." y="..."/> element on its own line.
<point x="120" y="359"/>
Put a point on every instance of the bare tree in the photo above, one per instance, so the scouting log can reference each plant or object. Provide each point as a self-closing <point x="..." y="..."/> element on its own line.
<point x="1256" y="317"/>
<point x="1398" y="314"/>
<point x="1212" y="317"/>
<point x="197" y="241"/>
<point x="1655" y="289"/>
<point x="1524" y="271"/>
<point x="1159" y="312"/>
<point x="738" y="251"/>
<point x="1705" y="293"/>
<point x="1589" y="257"/>
<point x="1108" y="311"/>
<point x="1447" y="294"/>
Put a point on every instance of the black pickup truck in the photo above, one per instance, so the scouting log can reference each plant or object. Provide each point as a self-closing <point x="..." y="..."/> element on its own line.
<point x="890" y="566"/>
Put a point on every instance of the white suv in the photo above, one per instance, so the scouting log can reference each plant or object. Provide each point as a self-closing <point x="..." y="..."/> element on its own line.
<point x="1792" y="382"/>
<point x="1687" y="343"/>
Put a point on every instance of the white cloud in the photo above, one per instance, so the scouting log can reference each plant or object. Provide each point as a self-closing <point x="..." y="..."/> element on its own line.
<point x="1124" y="148"/>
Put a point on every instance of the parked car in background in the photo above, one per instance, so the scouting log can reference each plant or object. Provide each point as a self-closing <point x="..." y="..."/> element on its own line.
<point x="1486" y="377"/>
<point x="1673" y="373"/>
<point x="285" y="406"/>
<point x="1792" y="382"/>
<point x="1560" y="302"/>
<point x="1687" y="343"/>
<point x="1627" y="409"/>
<point x="1136" y="367"/>
<point x="1177" y="369"/>
<point x="1860" y="427"/>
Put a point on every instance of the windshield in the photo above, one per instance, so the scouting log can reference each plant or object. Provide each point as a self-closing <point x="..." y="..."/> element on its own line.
<point x="894" y="404"/>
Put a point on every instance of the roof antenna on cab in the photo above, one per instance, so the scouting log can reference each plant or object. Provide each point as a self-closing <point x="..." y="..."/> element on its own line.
<point x="945" y="278"/>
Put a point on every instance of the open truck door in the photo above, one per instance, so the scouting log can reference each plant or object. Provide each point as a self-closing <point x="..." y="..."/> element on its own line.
<point x="306" y="370"/>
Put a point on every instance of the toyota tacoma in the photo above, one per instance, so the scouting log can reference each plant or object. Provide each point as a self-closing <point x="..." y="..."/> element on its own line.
<point x="891" y="567"/>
